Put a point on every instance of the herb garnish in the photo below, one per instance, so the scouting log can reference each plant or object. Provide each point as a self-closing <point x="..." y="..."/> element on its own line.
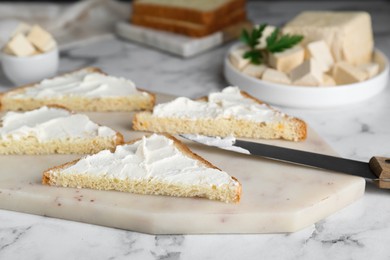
<point x="278" y="43"/>
<point x="275" y="42"/>
<point x="252" y="40"/>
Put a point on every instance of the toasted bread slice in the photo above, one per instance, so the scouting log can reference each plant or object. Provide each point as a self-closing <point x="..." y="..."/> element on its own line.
<point x="230" y="112"/>
<point x="53" y="129"/>
<point x="202" y="12"/>
<point x="188" y="28"/>
<point x="153" y="165"/>
<point x="87" y="89"/>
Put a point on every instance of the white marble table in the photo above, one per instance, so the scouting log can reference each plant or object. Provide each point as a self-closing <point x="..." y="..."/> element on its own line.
<point x="359" y="131"/>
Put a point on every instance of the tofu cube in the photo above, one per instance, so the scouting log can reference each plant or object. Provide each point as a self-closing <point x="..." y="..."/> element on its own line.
<point x="345" y="73"/>
<point x="254" y="70"/>
<point x="41" y="39"/>
<point x="286" y="60"/>
<point x="320" y="51"/>
<point x="276" y="76"/>
<point x="370" y="68"/>
<point x="263" y="40"/>
<point x="20" y="46"/>
<point x="236" y="58"/>
<point x="22" y="28"/>
<point x="348" y="34"/>
<point x="7" y="50"/>
<point x="309" y="73"/>
<point x="328" y="81"/>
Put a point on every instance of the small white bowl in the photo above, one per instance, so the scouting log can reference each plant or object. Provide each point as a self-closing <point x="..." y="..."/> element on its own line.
<point x="24" y="70"/>
<point x="309" y="97"/>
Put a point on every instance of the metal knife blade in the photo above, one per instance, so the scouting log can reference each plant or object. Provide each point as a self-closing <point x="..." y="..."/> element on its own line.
<point x="378" y="169"/>
<point x="322" y="161"/>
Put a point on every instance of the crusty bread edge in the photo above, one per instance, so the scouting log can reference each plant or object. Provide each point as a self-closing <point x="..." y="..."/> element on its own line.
<point x="88" y="69"/>
<point x="187" y="14"/>
<point x="119" y="139"/>
<point x="302" y="124"/>
<point x="302" y="129"/>
<point x="222" y="22"/>
<point x="184" y="149"/>
<point x="46" y="174"/>
<point x="178" y="144"/>
<point x="172" y="26"/>
<point x="187" y="151"/>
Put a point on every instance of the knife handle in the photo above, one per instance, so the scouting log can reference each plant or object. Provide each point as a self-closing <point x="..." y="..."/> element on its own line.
<point x="381" y="167"/>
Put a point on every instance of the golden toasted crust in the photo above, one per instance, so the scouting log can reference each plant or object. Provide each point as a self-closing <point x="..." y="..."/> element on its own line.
<point x="290" y="128"/>
<point x="60" y="107"/>
<point x="301" y="125"/>
<point x="186" y="14"/>
<point x="119" y="139"/>
<point x="31" y="145"/>
<point x="46" y="174"/>
<point x="78" y="103"/>
<point x="183" y="148"/>
<point x="233" y="195"/>
<point x="189" y="29"/>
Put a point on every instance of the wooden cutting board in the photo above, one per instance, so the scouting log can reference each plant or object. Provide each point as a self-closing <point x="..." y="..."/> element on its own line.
<point x="276" y="197"/>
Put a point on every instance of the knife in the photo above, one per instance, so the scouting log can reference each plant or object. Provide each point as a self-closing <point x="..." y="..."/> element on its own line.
<point x="377" y="169"/>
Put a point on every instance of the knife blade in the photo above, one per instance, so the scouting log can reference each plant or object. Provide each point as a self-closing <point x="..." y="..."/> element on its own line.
<point x="377" y="169"/>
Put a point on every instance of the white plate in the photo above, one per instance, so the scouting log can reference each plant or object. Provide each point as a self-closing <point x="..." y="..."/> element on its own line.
<point x="309" y="97"/>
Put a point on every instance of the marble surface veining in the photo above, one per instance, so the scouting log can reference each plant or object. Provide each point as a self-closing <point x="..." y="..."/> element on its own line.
<point x="359" y="131"/>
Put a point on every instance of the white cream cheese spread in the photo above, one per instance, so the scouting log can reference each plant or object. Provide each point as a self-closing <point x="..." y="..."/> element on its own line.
<point x="229" y="103"/>
<point x="48" y="123"/>
<point x="151" y="158"/>
<point x="81" y="83"/>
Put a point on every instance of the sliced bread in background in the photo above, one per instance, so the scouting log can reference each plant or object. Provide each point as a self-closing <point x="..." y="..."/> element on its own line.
<point x="189" y="28"/>
<point x="205" y="12"/>
<point x="194" y="18"/>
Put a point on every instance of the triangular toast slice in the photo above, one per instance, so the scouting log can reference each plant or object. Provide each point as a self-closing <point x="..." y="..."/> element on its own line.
<point x="154" y="165"/>
<point x="54" y="129"/>
<point x="229" y="112"/>
<point x="87" y="89"/>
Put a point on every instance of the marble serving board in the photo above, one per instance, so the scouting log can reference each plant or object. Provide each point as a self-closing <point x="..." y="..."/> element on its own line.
<point x="177" y="44"/>
<point x="276" y="197"/>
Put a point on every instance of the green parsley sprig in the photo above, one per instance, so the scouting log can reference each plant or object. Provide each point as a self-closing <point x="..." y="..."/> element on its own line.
<point x="279" y="43"/>
<point x="275" y="42"/>
<point x="252" y="40"/>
